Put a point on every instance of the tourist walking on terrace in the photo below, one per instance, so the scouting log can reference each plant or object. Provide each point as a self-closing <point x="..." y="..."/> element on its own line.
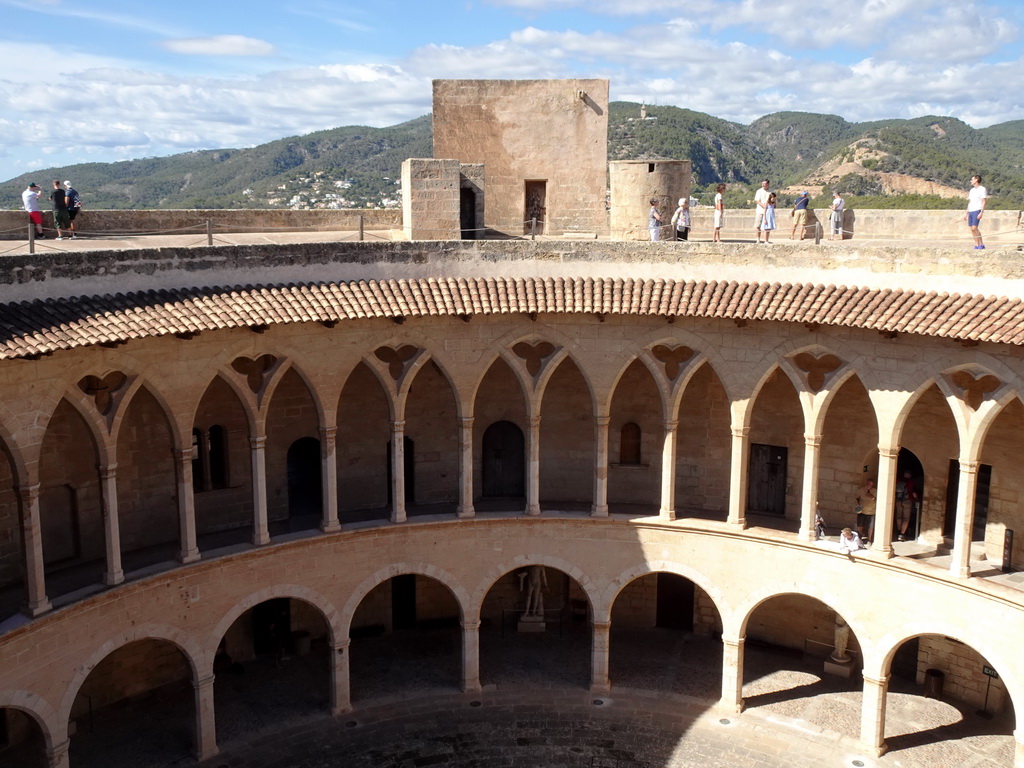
<point x="30" y="202"/>
<point x="654" y="221"/>
<point x="976" y="199"/>
<point x="61" y="220"/>
<point x="760" y="207"/>
<point x="768" y="221"/>
<point x="719" y="213"/>
<point x="906" y="503"/>
<point x="835" y="218"/>
<point x="799" y="215"/>
<point x="74" y="201"/>
<point x="681" y="220"/>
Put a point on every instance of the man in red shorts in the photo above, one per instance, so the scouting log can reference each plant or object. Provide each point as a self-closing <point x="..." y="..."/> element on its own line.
<point x="30" y="202"/>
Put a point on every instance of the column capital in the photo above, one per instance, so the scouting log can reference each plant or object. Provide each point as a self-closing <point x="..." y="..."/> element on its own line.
<point x="534" y="421"/>
<point x="670" y="425"/>
<point x="733" y="643"/>
<point x="877" y="681"/>
<point x="398" y="425"/>
<point x="601" y="626"/>
<point x="602" y="421"/>
<point x="969" y="467"/>
<point x="29" y="493"/>
<point x="204" y="682"/>
<point x="812" y="441"/>
<point x="888" y="452"/>
<point x="341" y="646"/>
<point x="471" y="626"/>
<point x="740" y="431"/>
<point x="182" y="455"/>
<point x="466" y="422"/>
<point x="258" y="443"/>
<point x="108" y="472"/>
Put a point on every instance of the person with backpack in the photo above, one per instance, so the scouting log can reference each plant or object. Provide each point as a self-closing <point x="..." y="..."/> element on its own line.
<point x="74" y="202"/>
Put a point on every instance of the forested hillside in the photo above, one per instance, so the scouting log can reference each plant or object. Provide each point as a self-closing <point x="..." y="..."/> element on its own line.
<point x="358" y="166"/>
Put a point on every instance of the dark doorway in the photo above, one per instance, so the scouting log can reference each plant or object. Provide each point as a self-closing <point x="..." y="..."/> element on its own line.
<point x="908" y="462"/>
<point x="467" y="213"/>
<point x="218" y="443"/>
<point x="504" y="460"/>
<point x="536" y="196"/>
<point x="305" y="494"/>
<point x="403" y="602"/>
<point x="767" y="484"/>
<point x="981" y="498"/>
<point x="59" y="515"/>
<point x="409" y="448"/>
<point x="675" y="602"/>
<point x="271" y="625"/>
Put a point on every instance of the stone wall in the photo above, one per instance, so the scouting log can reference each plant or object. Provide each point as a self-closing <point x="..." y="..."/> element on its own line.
<point x="527" y="133"/>
<point x="430" y="199"/>
<point x="634" y="183"/>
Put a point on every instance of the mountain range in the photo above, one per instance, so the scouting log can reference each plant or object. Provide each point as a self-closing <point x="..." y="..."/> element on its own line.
<point x="921" y="162"/>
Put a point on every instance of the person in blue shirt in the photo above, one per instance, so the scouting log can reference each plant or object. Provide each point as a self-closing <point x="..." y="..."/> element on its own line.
<point x="800" y="216"/>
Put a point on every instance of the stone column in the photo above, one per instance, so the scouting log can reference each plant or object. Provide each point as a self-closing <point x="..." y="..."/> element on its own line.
<point x="872" y="715"/>
<point x="599" y="680"/>
<point x="465" y="508"/>
<point x="114" y="574"/>
<point x="57" y="755"/>
<point x="471" y="656"/>
<point x="397" y="471"/>
<point x="32" y="547"/>
<point x="809" y="497"/>
<point x="533" y="466"/>
<point x="600" y="507"/>
<point x="732" y="676"/>
<point x="668" y="471"/>
<point x="738" y="476"/>
<point x="329" y="479"/>
<point x="189" y="551"/>
<point x="341" y="697"/>
<point x="886" y="490"/>
<point x="206" y="724"/>
<point x="258" y="452"/>
<point x="963" y="532"/>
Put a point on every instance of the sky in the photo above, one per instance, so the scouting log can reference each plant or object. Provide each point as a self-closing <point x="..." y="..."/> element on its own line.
<point x="85" y="81"/>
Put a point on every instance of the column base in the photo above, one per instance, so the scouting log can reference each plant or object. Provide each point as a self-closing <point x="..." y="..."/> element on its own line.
<point x="398" y="516"/>
<point x="332" y="527"/>
<point x="874" y="751"/>
<point x="807" y="536"/>
<point x="533" y="510"/>
<point x="601" y="687"/>
<point x="341" y="709"/>
<point x="960" y="572"/>
<point x="472" y="686"/>
<point x="465" y="512"/>
<point x="599" y="510"/>
<point x="739" y="523"/>
<point x="880" y="551"/>
<point x="260" y="539"/>
<point x="667" y="514"/>
<point x="38" y="609"/>
<point x="114" y="578"/>
<point x="190" y="556"/>
<point x="730" y="707"/>
<point x="207" y="753"/>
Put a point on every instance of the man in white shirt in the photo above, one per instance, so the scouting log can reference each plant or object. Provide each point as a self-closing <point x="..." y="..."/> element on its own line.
<point x="835" y="218"/>
<point x="976" y="199"/>
<point x="30" y="202"/>
<point x="761" y="201"/>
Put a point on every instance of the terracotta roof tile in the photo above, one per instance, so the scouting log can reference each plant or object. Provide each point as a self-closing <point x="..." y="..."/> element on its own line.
<point x="29" y="328"/>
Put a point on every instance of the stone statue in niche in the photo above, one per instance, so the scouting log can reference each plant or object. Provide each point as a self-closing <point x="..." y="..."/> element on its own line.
<point x="842" y="640"/>
<point x="534" y="582"/>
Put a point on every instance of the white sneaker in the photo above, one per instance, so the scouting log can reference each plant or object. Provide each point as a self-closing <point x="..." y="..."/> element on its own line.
<point x="58" y="238"/>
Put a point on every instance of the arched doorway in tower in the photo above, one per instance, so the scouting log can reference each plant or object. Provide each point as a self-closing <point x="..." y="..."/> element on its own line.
<point x="799" y="652"/>
<point x="305" y="492"/>
<point x="665" y="636"/>
<point x="406" y="637"/>
<point x="139" y="700"/>
<point x="535" y="630"/>
<point x="941" y="696"/>
<point x="467" y="214"/>
<point x="503" y="461"/>
<point x="272" y="665"/>
<point x="21" y="739"/>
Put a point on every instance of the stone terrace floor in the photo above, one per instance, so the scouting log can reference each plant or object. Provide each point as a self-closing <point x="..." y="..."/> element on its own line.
<point x="535" y="712"/>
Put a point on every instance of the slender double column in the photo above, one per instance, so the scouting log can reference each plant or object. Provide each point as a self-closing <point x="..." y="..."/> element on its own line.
<point x="329" y="479"/>
<point x="809" y="497"/>
<point x="960" y="566"/>
<point x="600" y="507"/>
<point x="258" y="454"/>
<point x="114" y="573"/>
<point x="887" y="456"/>
<point x="668" y="470"/>
<point x="738" y="476"/>
<point x="188" y="551"/>
<point x="465" y="508"/>
<point x="206" y="724"/>
<point x="533" y="466"/>
<point x="471" y="656"/>
<point x="32" y="551"/>
<point x="398" y="472"/>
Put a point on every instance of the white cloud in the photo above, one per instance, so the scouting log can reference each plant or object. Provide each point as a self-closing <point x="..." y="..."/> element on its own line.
<point x="219" y="45"/>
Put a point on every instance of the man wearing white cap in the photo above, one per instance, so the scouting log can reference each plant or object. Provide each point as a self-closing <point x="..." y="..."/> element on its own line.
<point x="30" y="202"/>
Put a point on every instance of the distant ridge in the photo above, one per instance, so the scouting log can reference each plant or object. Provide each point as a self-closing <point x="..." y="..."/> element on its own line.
<point x="358" y="166"/>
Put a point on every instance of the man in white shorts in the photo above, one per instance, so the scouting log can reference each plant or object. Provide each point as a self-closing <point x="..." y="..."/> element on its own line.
<point x="719" y="213"/>
<point x="760" y="205"/>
